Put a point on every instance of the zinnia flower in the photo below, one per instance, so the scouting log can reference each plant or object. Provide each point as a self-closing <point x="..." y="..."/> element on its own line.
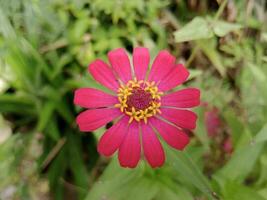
<point x="140" y="104"/>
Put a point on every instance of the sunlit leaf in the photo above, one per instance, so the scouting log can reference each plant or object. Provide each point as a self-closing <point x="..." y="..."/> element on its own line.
<point x="179" y="194"/>
<point x="234" y="191"/>
<point x="190" y="172"/>
<point x="222" y="28"/>
<point x="242" y="161"/>
<point x="197" y="29"/>
<point x="209" y="49"/>
<point x="114" y="181"/>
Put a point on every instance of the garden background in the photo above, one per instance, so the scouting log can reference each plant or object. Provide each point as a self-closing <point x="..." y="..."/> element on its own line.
<point x="45" y="48"/>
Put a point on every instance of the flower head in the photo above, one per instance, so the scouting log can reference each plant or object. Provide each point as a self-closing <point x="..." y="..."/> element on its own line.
<point x="140" y="104"/>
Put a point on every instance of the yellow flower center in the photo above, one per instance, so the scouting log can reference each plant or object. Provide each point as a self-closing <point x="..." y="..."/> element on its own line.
<point x="139" y="99"/>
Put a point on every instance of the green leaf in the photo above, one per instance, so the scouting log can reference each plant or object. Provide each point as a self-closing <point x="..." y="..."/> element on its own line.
<point x="222" y="28"/>
<point x="209" y="49"/>
<point x="257" y="72"/>
<point x="64" y="110"/>
<point x="16" y="104"/>
<point x="21" y="56"/>
<point x="45" y="115"/>
<point x="52" y="128"/>
<point x="201" y="132"/>
<point x="264" y="36"/>
<point x="263" y="193"/>
<point x="234" y="191"/>
<point x="142" y="188"/>
<point x="36" y="57"/>
<point x="77" y="31"/>
<point x="56" y="173"/>
<point x="234" y="123"/>
<point x="117" y="182"/>
<point x="179" y="194"/>
<point x="20" y="65"/>
<point x="197" y="29"/>
<point x="201" y="28"/>
<point x="261" y="136"/>
<point x="263" y="172"/>
<point x="194" y="73"/>
<point x="190" y="172"/>
<point x="77" y="164"/>
<point x="6" y="28"/>
<point x="242" y="161"/>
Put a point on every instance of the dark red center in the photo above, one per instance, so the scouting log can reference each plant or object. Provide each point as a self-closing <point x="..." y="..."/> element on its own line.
<point x="139" y="99"/>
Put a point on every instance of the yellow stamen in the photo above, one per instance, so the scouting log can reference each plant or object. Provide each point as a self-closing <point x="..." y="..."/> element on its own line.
<point x="126" y="90"/>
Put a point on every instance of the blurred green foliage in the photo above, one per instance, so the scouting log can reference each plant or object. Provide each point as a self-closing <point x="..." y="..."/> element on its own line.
<point x="45" y="47"/>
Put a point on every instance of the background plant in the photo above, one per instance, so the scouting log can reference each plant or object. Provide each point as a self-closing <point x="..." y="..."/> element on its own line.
<point x="45" y="47"/>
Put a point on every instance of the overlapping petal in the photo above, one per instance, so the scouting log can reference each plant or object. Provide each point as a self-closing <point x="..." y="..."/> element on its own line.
<point x="182" y="118"/>
<point x="175" y="137"/>
<point x="141" y="60"/>
<point x="153" y="150"/>
<point x="130" y="149"/>
<point x="175" y="77"/>
<point x="93" y="98"/>
<point x="185" y="98"/>
<point x="162" y="65"/>
<point x="103" y="74"/>
<point x="120" y="63"/>
<point x="91" y="120"/>
<point x="113" y="137"/>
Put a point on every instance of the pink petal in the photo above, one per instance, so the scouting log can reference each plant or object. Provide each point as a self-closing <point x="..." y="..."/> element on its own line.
<point x="177" y="76"/>
<point x="91" y="120"/>
<point x="182" y="118"/>
<point x="153" y="150"/>
<point x="130" y="149"/>
<point x="113" y="137"/>
<point x="161" y="66"/>
<point x="185" y="98"/>
<point x="175" y="137"/>
<point x="120" y="62"/>
<point x="103" y="74"/>
<point x="93" y="98"/>
<point x="141" y="60"/>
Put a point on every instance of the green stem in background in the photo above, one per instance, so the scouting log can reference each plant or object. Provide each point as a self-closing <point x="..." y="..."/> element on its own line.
<point x="171" y="18"/>
<point x="192" y="56"/>
<point x="220" y="10"/>
<point x="53" y="153"/>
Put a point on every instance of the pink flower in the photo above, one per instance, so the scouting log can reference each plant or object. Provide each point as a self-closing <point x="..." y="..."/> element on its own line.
<point x="141" y="105"/>
<point x="228" y="145"/>
<point x="212" y="122"/>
